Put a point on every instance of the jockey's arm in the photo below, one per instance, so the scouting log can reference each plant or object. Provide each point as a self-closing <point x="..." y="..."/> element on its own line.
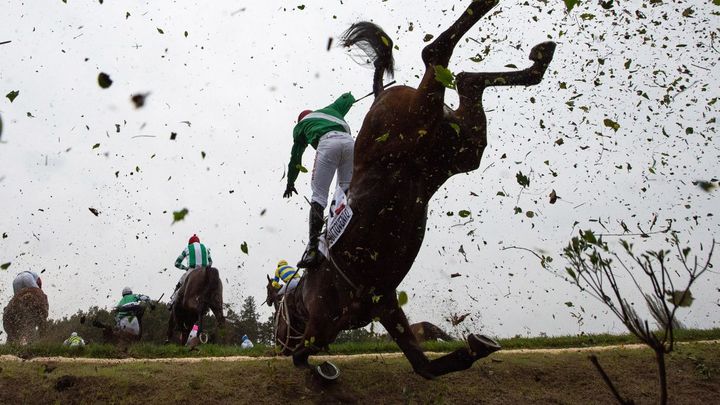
<point x="276" y="279"/>
<point x="179" y="261"/>
<point x="141" y="297"/>
<point x="298" y="148"/>
<point x="343" y="103"/>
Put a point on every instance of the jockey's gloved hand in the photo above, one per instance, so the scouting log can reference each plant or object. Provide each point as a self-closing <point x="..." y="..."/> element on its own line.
<point x="289" y="190"/>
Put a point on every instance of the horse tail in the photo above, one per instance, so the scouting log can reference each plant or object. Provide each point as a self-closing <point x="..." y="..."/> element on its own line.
<point x="377" y="45"/>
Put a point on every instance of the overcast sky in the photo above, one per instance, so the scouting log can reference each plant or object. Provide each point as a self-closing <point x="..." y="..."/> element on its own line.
<point x="229" y="77"/>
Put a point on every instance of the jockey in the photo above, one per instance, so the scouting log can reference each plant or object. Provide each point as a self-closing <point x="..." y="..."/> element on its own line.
<point x="198" y="257"/>
<point x="128" y="303"/>
<point x="74" y="340"/>
<point x="26" y="279"/>
<point x="129" y="310"/>
<point x="246" y="343"/>
<point x="288" y="274"/>
<point x="328" y="133"/>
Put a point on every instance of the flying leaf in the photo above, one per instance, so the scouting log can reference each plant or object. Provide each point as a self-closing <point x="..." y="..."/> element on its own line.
<point x="94" y="211"/>
<point x="244" y="247"/>
<point x="456" y="127"/>
<point x="97" y="145"/>
<point x="464" y="213"/>
<point x="179" y="215"/>
<point x="553" y="197"/>
<point x="160" y="31"/>
<point x="587" y="16"/>
<point x="444" y="76"/>
<point x="511" y="66"/>
<point x="104" y="80"/>
<point x="428" y="37"/>
<point x="522" y="179"/>
<point x="611" y="124"/>
<point x="402" y="298"/>
<point x="382" y="138"/>
<point x="301" y="168"/>
<point x="12" y="95"/>
<point x="301" y="7"/>
<point x="530" y="214"/>
<point x="680" y="298"/>
<point x="569" y="4"/>
<point x="4" y="266"/>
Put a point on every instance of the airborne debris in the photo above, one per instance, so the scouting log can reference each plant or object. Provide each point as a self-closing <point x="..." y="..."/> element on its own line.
<point x="139" y="99"/>
<point x="12" y="95"/>
<point x="5" y="266"/>
<point x="94" y="211"/>
<point x="179" y="215"/>
<point x="104" y="80"/>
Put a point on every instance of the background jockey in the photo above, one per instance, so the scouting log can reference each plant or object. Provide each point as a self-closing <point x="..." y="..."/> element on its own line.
<point x="288" y="274"/>
<point x="326" y="131"/>
<point x="26" y="279"/>
<point x="74" y="340"/>
<point x="198" y="257"/>
<point x="129" y="310"/>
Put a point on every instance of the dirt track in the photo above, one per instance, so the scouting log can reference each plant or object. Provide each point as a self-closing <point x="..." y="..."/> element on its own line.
<point x="88" y="360"/>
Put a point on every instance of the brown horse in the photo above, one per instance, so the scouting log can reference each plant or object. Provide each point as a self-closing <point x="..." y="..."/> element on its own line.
<point x="410" y="143"/>
<point x="202" y="291"/>
<point x="25" y="316"/>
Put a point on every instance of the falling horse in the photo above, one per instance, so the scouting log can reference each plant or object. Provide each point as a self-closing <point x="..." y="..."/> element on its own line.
<point x="410" y="143"/>
<point x="202" y="291"/>
<point x="25" y="316"/>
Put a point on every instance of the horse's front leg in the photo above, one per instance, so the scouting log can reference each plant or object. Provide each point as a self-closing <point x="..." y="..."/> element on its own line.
<point x="394" y="320"/>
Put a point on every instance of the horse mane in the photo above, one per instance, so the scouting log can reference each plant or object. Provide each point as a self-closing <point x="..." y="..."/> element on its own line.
<point x="376" y="44"/>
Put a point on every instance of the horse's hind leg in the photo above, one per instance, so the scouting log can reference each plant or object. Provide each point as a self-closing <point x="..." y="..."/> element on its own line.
<point x="438" y="53"/>
<point x="469" y="83"/>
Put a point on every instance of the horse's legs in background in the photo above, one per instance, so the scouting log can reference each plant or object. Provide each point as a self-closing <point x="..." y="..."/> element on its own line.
<point x="171" y="326"/>
<point x="431" y="92"/>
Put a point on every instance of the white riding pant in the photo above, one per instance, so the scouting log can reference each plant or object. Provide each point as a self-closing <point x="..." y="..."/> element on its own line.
<point x="129" y="324"/>
<point x="24" y="280"/>
<point x="289" y="286"/>
<point x="334" y="153"/>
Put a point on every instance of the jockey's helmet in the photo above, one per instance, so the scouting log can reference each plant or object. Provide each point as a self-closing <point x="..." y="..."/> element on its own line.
<point x="74" y="334"/>
<point x="303" y="114"/>
<point x="244" y="338"/>
<point x="193" y="239"/>
<point x="282" y="263"/>
<point x="126" y="291"/>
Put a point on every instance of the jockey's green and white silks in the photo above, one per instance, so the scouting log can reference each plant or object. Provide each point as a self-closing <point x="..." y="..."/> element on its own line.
<point x="198" y="256"/>
<point x="313" y="126"/>
<point x="128" y="299"/>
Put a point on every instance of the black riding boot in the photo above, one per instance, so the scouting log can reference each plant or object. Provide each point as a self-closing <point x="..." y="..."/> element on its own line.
<point x="312" y="257"/>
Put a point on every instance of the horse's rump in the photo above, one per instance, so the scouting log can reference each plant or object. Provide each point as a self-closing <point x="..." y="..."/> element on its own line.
<point x="25" y="315"/>
<point x="427" y="331"/>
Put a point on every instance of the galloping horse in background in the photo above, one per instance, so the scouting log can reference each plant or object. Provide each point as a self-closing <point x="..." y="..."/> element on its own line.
<point x="202" y="291"/>
<point x="410" y="143"/>
<point x="428" y="331"/>
<point x="25" y="316"/>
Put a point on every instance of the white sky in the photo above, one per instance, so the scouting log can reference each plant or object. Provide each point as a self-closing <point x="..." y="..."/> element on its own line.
<point x="246" y="69"/>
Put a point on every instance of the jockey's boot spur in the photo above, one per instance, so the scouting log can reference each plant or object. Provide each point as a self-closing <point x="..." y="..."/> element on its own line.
<point x="312" y="256"/>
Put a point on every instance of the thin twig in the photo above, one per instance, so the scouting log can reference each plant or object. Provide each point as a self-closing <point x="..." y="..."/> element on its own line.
<point x="144" y="136"/>
<point x="5" y="42"/>
<point x="609" y="383"/>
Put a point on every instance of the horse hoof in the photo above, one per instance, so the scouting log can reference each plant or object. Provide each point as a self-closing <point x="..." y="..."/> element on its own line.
<point x="543" y="52"/>
<point x="482" y="346"/>
<point x="328" y="371"/>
